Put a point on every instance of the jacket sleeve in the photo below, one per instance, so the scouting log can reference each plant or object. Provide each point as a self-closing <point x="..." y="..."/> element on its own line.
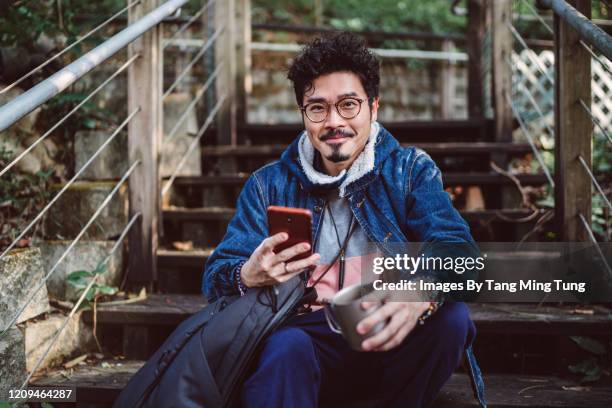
<point x="433" y="220"/>
<point x="244" y="233"/>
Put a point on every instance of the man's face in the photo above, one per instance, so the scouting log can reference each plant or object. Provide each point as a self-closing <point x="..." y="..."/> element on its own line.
<point x="339" y="140"/>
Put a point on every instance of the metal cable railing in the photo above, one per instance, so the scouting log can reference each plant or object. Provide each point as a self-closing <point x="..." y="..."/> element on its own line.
<point x="533" y="59"/>
<point x="193" y="145"/>
<point x="76" y="306"/>
<point x="65" y="253"/>
<point x="72" y="244"/>
<point x="42" y="212"/>
<point x="525" y="91"/>
<point x="538" y="16"/>
<point x="594" y="180"/>
<point x="589" y="230"/>
<point x="551" y="31"/>
<point x="596" y="121"/>
<point x="58" y="82"/>
<point x="193" y="103"/>
<point x="589" y="35"/>
<point x="210" y="42"/>
<point x="189" y="22"/>
<point x="530" y="140"/>
<point x="71" y="46"/>
<point x="68" y="115"/>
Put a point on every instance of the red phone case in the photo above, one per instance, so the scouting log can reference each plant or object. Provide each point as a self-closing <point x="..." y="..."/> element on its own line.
<point x="294" y="221"/>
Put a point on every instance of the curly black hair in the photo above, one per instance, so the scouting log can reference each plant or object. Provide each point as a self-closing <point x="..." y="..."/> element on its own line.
<point x="337" y="52"/>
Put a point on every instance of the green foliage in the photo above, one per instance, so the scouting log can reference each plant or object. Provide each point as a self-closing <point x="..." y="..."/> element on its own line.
<point x="80" y="280"/>
<point x="389" y="15"/>
<point x="596" y="365"/>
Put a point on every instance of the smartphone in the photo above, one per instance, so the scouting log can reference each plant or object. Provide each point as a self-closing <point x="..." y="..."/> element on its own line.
<point x="294" y="221"/>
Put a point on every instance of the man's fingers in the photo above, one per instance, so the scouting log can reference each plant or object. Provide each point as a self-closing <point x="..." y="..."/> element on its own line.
<point x="292" y="251"/>
<point x="272" y="241"/>
<point x="303" y="263"/>
<point x="386" y="335"/>
<point x="379" y="315"/>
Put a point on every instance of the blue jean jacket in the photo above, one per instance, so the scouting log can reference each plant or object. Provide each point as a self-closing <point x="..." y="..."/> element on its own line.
<point x="401" y="200"/>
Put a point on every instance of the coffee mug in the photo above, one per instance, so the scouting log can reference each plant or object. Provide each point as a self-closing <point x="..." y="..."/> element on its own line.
<point x="344" y="312"/>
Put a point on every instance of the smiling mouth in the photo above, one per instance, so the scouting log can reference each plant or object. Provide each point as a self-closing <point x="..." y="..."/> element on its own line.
<point x="336" y="139"/>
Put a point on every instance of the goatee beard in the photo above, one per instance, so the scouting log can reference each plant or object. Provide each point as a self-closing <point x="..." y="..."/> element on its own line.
<point x="336" y="156"/>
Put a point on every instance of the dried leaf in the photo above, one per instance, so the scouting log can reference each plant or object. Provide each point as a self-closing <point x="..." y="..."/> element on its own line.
<point x="576" y="388"/>
<point x="183" y="245"/>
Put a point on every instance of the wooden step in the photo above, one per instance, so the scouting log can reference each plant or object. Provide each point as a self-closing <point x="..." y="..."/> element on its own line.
<point x="226" y="213"/>
<point x="449" y="179"/>
<point x="171" y="309"/>
<point x="102" y="383"/>
<point x="443" y="148"/>
<point x="195" y="258"/>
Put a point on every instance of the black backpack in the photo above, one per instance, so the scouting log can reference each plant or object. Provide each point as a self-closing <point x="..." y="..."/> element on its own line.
<point x="205" y="360"/>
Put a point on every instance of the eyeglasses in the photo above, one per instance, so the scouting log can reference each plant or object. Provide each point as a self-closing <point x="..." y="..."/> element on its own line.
<point x="317" y="112"/>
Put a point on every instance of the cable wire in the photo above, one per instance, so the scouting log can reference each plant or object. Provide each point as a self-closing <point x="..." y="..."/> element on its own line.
<point x="63" y="119"/>
<point x="201" y="52"/>
<point x="538" y="16"/>
<point x="594" y="180"/>
<point x="594" y="242"/>
<point x="68" y="48"/>
<point x="72" y="244"/>
<point x="189" y="22"/>
<point x="193" y="144"/>
<point x="529" y="137"/>
<point x="70" y="182"/>
<point x="595" y="120"/>
<point x="192" y="104"/>
<point x="81" y="298"/>
<point x="531" y="57"/>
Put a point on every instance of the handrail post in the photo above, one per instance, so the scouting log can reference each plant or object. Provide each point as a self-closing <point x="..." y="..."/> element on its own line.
<point x="144" y="136"/>
<point x="501" y="87"/>
<point x="243" y="62"/>
<point x="501" y="72"/>
<point x="447" y="83"/>
<point x="573" y="129"/>
<point x="225" y="53"/>
<point x="477" y="11"/>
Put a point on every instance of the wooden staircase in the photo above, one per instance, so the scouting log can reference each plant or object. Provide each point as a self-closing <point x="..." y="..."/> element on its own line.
<point x="520" y="347"/>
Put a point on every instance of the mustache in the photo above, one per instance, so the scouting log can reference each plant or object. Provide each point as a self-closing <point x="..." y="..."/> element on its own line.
<point x="334" y="133"/>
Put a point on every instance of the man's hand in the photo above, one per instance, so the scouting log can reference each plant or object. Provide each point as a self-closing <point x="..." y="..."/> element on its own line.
<point x="403" y="317"/>
<point x="264" y="267"/>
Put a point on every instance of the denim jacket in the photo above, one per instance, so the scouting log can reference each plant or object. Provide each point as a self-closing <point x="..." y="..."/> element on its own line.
<point x="401" y="200"/>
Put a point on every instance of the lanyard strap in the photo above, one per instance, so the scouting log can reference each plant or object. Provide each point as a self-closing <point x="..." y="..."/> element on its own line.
<point x="340" y="254"/>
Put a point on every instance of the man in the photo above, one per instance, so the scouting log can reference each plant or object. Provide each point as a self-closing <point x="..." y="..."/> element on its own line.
<point x="361" y="186"/>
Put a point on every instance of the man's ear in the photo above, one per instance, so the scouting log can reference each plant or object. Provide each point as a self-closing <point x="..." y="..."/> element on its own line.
<point x="374" y="110"/>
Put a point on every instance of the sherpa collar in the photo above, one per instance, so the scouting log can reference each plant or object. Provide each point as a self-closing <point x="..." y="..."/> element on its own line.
<point x="382" y="143"/>
<point x="363" y="164"/>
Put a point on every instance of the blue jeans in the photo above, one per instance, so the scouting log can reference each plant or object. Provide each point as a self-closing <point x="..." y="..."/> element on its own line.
<point x="305" y="364"/>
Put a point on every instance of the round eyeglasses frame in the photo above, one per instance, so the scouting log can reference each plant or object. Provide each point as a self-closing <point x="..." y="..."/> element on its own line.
<point x="358" y="100"/>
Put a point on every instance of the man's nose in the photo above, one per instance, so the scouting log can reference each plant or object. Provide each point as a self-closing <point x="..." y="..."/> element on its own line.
<point x="334" y="119"/>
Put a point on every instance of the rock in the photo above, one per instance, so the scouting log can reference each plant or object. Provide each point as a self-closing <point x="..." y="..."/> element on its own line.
<point x="12" y="362"/>
<point x="21" y="270"/>
<point x="111" y="163"/>
<point x="173" y="150"/>
<point x="76" y="338"/>
<point x="73" y="210"/>
<point x="84" y="256"/>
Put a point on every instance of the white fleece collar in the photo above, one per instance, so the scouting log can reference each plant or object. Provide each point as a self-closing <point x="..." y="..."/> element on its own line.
<point x="363" y="164"/>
